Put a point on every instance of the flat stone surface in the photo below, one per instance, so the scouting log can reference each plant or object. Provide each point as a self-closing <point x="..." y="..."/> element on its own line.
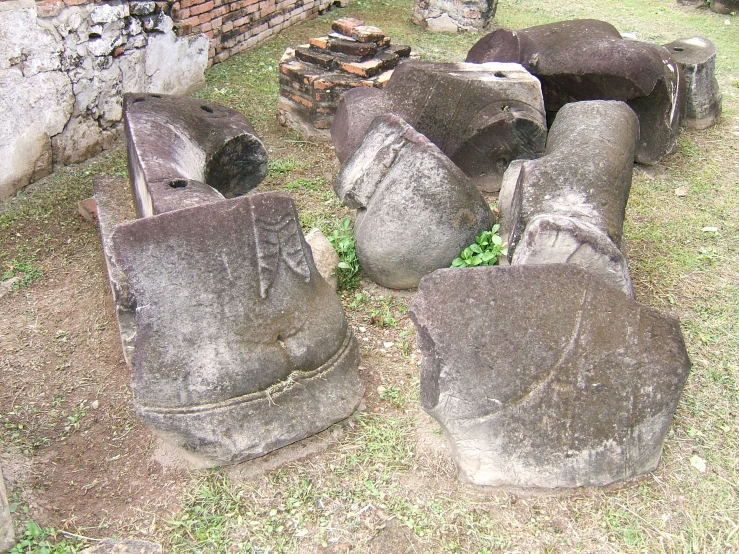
<point x="544" y="376"/>
<point x="397" y="172"/>
<point x="239" y="347"/>
<point x="129" y="546"/>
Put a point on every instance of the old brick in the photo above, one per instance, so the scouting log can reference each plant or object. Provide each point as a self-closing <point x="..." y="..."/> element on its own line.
<point x="201" y="8"/>
<point x="346" y="25"/>
<point x="319" y="42"/>
<point x="315" y="57"/>
<point x="360" y="49"/>
<point x="368" y="33"/>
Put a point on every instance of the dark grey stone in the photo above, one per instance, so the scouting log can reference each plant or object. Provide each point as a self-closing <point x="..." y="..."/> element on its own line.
<point x="417" y="210"/>
<point x="725" y="7"/>
<point x="7" y="537"/>
<point x="588" y="59"/>
<point x="696" y="57"/>
<point x="544" y="376"/>
<point x="481" y="116"/>
<point x="183" y="152"/>
<point x="237" y="345"/>
<point x="584" y="175"/>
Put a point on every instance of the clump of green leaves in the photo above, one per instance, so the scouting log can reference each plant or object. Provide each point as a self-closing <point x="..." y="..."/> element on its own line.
<point x="26" y="271"/>
<point x="343" y="242"/>
<point x="44" y="541"/>
<point x="486" y="250"/>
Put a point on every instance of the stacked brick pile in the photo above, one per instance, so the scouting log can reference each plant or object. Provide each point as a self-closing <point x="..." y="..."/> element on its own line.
<point x="314" y="76"/>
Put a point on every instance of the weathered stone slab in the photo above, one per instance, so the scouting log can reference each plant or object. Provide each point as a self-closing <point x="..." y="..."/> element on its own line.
<point x="544" y="376"/>
<point x="453" y="16"/>
<point x="588" y="59"/>
<point x="237" y="345"/>
<point x="696" y="57"/>
<point x="128" y="546"/>
<point x="7" y="537"/>
<point x="183" y="152"/>
<point x="481" y="116"/>
<point x="417" y="210"/>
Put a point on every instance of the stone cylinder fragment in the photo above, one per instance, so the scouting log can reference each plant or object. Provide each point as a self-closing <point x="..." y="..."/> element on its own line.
<point x="183" y="152"/>
<point x="587" y="59"/>
<point x="416" y="209"/>
<point x="238" y="346"/>
<point x="569" y="205"/>
<point x="481" y="116"/>
<point x="696" y="57"/>
<point x="544" y="376"/>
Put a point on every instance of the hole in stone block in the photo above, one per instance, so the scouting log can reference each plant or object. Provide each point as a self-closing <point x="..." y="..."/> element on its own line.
<point x="139" y="99"/>
<point x="678" y="48"/>
<point x="178" y="183"/>
<point x="93" y="36"/>
<point x="206" y="109"/>
<point x="156" y="96"/>
<point x="499" y="74"/>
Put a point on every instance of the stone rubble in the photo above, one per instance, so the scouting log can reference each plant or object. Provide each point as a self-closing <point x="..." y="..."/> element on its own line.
<point x="446" y="16"/>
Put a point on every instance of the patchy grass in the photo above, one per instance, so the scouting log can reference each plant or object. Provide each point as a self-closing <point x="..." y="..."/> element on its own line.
<point x="387" y="483"/>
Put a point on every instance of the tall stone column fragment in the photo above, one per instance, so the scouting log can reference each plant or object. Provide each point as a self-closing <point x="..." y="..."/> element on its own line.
<point x="587" y="59"/>
<point x="569" y="205"/>
<point x="481" y="116"/>
<point x="696" y="57"/>
<point x="183" y="152"/>
<point x="544" y="376"/>
<point x="416" y="209"/>
<point x="237" y="345"/>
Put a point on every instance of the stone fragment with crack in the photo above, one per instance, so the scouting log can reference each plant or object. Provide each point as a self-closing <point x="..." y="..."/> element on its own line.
<point x="544" y="376"/>
<point x="416" y="209"/>
<point x="183" y="152"/>
<point x="587" y="59"/>
<point x="569" y="205"/>
<point x="481" y="116"/>
<point x="237" y="345"/>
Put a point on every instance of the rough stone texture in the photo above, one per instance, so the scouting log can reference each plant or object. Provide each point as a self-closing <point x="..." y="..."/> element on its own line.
<point x="131" y="546"/>
<point x="324" y="256"/>
<point x="696" y="57"/>
<point x="449" y="16"/>
<point x="63" y="72"/>
<point x="481" y="116"/>
<point x="543" y="376"/>
<point x="725" y="7"/>
<point x="588" y="60"/>
<point x="184" y="152"/>
<point x="693" y="3"/>
<point x="417" y="210"/>
<point x="584" y="176"/>
<point x="237" y="345"/>
<point x="7" y="538"/>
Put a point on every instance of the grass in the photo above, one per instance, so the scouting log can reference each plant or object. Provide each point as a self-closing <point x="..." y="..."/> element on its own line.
<point x="387" y="484"/>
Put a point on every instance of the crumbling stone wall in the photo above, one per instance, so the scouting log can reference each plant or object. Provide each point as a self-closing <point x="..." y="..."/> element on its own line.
<point x="235" y="25"/>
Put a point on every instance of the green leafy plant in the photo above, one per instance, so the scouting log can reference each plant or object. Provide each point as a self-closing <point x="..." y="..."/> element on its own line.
<point x="486" y="250"/>
<point x="42" y="540"/>
<point x="343" y="242"/>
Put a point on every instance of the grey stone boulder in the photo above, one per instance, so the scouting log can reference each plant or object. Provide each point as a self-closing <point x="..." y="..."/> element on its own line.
<point x="416" y="209"/>
<point x="584" y="176"/>
<point x="7" y="537"/>
<point x="696" y="57"/>
<point x="481" y="116"/>
<point x="183" y="152"/>
<point x="544" y="376"/>
<point x="451" y="16"/>
<point x="587" y="59"/>
<point x="237" y="345"/>
<point x="725" y="7"/>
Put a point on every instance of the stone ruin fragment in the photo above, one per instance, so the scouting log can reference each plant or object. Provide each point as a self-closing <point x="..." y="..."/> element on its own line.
<point x="416" y="209"/>
<point x="314" y="76"/>
<point x="448" y="16"/>
<point x="589" y="60"/>
<point x="696" y="57"/>
<point x="569" y="205"/>
<point x="481" y="116"/>
<point x="7" y="537"/>
<point x="237" y="345"/>
<point x="545" y="376"/>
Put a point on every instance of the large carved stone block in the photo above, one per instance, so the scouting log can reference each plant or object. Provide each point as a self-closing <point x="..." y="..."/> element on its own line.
<point x="416" y="209"/>
<point x="569" y="205"/>
<point x="237" y="345"/>
<point x="481" y="116"/>
<point x="544" y="376"/>
<point x="587" y="59"/>
<point x="184" y="152"/>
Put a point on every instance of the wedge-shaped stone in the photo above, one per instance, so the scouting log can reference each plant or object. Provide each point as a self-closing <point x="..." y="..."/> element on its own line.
<point x="544" y="376"/>
<point x="237" y="345"/>
<point x="183" y="152"/>
<point x="481" y="116"/>
<point x="586" y="59"/>
<point x="416" y="209"/>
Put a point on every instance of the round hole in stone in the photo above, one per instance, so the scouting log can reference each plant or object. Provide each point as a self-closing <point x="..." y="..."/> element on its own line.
<point x="678" y="48"/>
<point x="139" y="99"/>
<point x="499" y="75"/>
<point x="206" y="109"/>
<point x="178" y="183"/>
<point x="93" y="36"/>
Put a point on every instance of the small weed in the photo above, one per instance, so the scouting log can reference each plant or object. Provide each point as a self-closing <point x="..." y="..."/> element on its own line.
<point x="488" y="246"/>
<point x="43" y="540"/>
<point x="26" y="271"/>
<point x="382" y="314"/>
<point x="343" y="242"/>
<point x="394" y="395"/>
<point x="75" y="418"/>
<point x="306" y="185"/>
<point x="281" y="166"/>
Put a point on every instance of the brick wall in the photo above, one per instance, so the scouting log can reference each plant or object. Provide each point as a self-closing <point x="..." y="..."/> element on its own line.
<point x="235" y="25"/>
